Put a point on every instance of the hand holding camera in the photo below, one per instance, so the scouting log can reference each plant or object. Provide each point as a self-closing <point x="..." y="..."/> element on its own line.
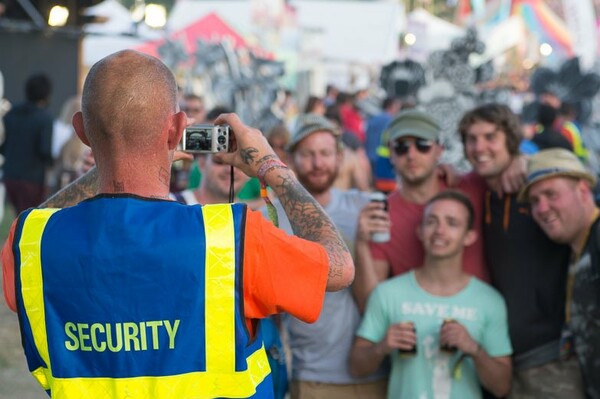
<point x="248" y="148"/>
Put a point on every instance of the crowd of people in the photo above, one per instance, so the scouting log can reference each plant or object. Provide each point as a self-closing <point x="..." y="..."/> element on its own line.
<point x="487" y="285"/>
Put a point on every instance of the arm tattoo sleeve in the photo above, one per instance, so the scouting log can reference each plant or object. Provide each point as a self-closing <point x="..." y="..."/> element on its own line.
<point x="309" y="221"/>
<point x="307" y="217"/>
<point x="81" y="189"/>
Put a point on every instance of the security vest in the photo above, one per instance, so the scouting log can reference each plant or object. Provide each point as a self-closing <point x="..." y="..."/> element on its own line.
<point x="126" y="297"/>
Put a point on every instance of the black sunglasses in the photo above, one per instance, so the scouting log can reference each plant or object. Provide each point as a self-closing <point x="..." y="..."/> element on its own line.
<point x="422" y="145"/>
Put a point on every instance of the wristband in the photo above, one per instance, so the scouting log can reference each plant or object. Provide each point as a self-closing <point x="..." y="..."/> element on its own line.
<point x="457" y="369"/>
<point x="267" y="166"/>
<point x="264" y="168"/>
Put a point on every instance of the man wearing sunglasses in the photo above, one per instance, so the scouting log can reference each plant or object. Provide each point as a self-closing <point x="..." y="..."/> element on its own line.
<point x="414" y="152"/>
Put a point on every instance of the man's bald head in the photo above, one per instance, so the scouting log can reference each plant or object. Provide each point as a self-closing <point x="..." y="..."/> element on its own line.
<point x="127" y="99"/>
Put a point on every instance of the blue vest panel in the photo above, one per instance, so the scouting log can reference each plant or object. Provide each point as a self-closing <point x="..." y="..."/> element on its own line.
<point x="130" y="289"/>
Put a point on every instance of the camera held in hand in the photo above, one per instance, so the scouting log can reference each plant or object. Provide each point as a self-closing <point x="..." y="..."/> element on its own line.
<point x="206" y="139"/>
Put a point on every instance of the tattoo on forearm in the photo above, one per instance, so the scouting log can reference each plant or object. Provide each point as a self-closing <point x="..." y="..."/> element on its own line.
<point x="81" y="189"/>
<point x="164" y="176"/>
<point x="266" y="158"/>
<point x="248" y="155"/>
<point x="310" y="222"/>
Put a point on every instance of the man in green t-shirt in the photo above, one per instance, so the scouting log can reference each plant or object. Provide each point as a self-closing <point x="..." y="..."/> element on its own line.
<point x="445" y="331"/>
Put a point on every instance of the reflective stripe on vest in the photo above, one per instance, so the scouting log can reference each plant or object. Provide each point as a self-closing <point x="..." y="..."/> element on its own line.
<point x="220" y="378"/>
<point x="32" y="287"/>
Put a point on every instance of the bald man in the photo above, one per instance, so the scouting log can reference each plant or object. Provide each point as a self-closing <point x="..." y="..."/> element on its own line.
<point x="129" y="294"/>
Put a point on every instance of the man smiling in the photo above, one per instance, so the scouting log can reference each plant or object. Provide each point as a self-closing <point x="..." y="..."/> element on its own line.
<point x="408" y="317"/>
<point x="559" y="190"/>
<point x="320" y="351"/>
<point x="415" y="151"/>
<point x="526" y="267"/>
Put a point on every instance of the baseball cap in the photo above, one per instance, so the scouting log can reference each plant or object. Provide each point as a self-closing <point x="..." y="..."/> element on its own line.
<point x="554" y="162"/>
<point x="307" y="124"/>
<point x="413" y="123"/>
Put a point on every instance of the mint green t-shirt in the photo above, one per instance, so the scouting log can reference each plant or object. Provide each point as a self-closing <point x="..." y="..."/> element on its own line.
<point x="430" y="373"/>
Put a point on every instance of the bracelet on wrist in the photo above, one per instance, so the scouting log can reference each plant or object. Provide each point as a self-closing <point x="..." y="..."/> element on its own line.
<point x="267" y="166"/>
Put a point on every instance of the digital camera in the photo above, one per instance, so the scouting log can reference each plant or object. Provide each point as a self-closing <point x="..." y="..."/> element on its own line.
<point x="206" y="139"/>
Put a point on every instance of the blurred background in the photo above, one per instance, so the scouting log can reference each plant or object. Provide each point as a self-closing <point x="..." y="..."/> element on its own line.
<point x="265" y="59"/>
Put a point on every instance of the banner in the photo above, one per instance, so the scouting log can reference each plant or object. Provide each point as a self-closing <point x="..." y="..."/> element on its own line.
<point x="581" y="21"/>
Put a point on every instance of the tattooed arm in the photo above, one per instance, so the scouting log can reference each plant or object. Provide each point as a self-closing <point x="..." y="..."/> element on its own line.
<point x="309" y="221"/>
<point x="307" y="217"/>
<point x="81" y="189"/>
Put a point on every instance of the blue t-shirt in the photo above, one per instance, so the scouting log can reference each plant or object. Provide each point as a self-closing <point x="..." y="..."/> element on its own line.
<point x="432" y="373"/>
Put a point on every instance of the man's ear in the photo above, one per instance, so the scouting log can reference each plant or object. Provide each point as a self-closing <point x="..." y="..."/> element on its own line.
<point x="178" y="124"/>
<point x="584" y="187"/>
<point x="77" y="122"/>
<point x="470" y="238"/>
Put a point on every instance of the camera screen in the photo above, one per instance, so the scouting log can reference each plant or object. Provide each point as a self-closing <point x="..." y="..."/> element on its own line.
<point x="198" y="140"/>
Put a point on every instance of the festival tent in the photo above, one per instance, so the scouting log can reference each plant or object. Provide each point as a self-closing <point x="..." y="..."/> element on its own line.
<point x="361" y="32"/>
<point x="500" y="38"/>
<point x="431" y="33"/>
<point x="117" y="33"/>
<point x="339" y="42"/>
<point x="545" y="25"/>
<point x="598" y="30"/>
<point x="520" y="24"/>
<point x="118" y="18"/>
<point x="211" y="28"/>
<point x="578" y="34"/>
<point x="346" y="31"/>
<point x="525" y="21"/>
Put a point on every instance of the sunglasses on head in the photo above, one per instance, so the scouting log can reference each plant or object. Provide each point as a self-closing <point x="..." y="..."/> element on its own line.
<point x="401" y="147"/>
